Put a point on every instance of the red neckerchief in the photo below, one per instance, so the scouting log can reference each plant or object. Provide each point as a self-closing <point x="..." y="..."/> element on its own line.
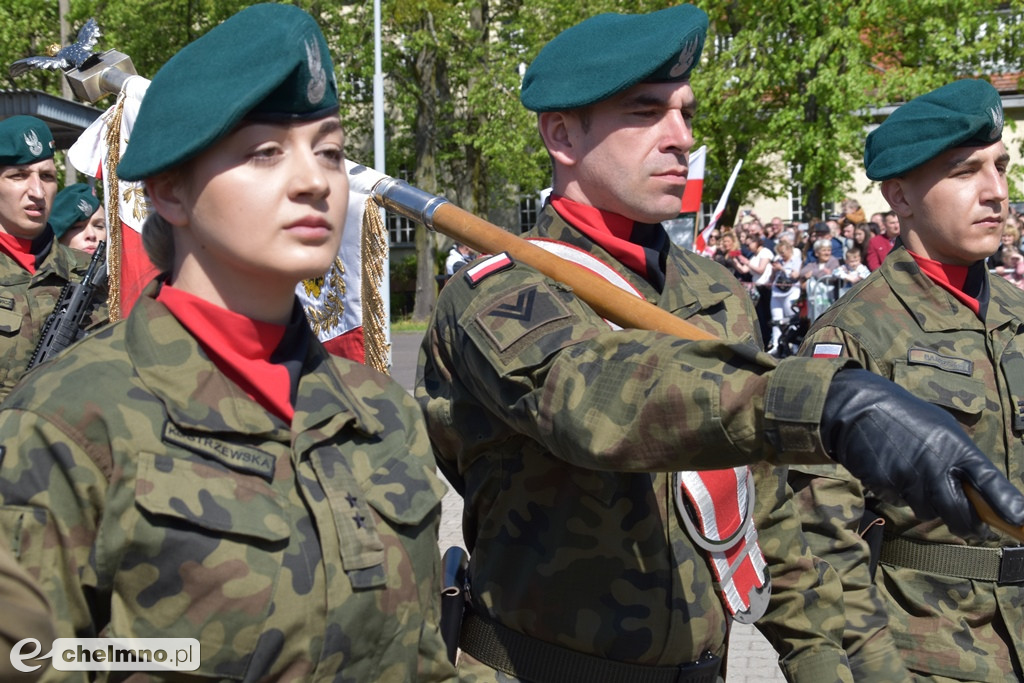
<point x="609" y="230"/>
<point x="20" y="250"/>
<point x="240" y="347"/>
<point x="951" y="278"/>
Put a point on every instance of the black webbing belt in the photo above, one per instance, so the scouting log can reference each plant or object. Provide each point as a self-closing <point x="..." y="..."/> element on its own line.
<point x="1002" y="565"/>
<point x="538" y="661"/>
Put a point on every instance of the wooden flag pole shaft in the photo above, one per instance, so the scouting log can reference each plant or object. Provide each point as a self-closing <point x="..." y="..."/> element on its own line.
<point x="989" y="516"/>
<point x="610" y="302"/>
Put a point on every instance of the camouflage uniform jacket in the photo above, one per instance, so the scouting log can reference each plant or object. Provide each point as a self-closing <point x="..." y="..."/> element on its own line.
<point x="27" y="300"/>
<point x="900" y="325"/>
<point x="560" y="432"/>
<point x="151" y="497"/>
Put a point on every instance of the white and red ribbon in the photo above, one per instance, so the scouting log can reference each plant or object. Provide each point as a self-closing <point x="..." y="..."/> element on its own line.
<point x="721" y="500"/>
<point x="716" y="508"/>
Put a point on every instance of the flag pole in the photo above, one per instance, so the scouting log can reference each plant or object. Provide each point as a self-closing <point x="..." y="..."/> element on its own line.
<point x="380" y="165"/>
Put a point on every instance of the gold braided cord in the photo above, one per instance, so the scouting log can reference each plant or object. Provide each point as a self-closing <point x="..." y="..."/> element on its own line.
<point x="111" y="195"/>
<point x="374" y="250"/>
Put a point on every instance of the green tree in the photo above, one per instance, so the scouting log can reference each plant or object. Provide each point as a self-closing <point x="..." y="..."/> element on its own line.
<point x="792" y="89"/>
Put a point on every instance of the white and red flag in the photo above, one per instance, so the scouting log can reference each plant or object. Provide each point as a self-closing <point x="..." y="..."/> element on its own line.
<point x="701" y="243"/>
<point x="694" y="181"/>
<point x="128" y="266"/>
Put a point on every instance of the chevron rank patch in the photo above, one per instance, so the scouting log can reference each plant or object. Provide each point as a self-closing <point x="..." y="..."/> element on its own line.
<point x="823" y="350"/>
<point x="489" y="266"/>
<point x="519" y="313"/>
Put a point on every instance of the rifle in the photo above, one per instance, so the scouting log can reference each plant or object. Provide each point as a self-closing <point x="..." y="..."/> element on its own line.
<point x="63" y="327"/>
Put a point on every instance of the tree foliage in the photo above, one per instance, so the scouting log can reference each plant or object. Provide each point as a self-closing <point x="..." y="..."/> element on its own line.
<point x="789" y="85"/>
<point x="791" y="90"/>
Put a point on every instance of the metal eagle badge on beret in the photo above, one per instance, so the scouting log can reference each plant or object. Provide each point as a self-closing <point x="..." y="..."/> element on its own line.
<point x="317" y="86"/>
<point x="35" y="146"/>
<point x="996" y="113"/>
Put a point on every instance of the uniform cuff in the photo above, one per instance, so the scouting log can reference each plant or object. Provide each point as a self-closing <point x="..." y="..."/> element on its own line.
<point x="793" y="404"/>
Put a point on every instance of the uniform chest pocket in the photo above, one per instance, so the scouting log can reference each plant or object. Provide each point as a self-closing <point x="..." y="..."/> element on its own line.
<point x="403" y="495"/>
<point x="10" y="323"/>
<point x="949" y="389"/>
<point x="212" y="498"/>
<point x="204" y="554"/>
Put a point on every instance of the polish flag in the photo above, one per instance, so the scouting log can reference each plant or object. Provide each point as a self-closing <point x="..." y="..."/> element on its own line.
<point x="694" y="181"/>
<point x="701" y="243"/>
<point x="89" y="155"/>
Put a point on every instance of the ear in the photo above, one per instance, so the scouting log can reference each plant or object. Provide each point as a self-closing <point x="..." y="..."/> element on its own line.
<point x="895" y="194"/>
<point x="167" y="195"/>
<point x="557" y="129"/>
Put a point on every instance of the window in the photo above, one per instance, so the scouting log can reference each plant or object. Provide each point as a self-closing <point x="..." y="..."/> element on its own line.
<point x="401" y="230"/>
<point x="529" y="205"/>
<point x="796" y="195"/>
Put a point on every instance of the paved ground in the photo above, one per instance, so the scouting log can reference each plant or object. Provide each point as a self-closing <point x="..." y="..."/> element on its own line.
<point x="751" y="658"/>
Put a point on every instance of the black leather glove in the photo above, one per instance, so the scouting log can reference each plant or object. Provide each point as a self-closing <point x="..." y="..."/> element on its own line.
<point x="901" y="447"/>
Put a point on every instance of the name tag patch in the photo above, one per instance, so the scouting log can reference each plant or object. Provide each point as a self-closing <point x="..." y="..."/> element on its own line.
<point x="919" y="356"/>
<point x="249" y="460"/>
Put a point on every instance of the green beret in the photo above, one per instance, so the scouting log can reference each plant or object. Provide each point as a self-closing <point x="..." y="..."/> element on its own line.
<point x="268" y="62"/>
<point x="24" y="140"/>
<point x="609" y="53"/>
<point x="961" y="114"/>
<point x="74" y="203"/>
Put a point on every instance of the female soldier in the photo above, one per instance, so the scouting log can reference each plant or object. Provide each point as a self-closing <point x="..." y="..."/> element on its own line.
<point x="225" y="479"/>
<point x="77" y="218"/>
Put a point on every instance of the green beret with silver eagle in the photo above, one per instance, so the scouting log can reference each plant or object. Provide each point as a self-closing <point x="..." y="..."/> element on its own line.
<point x="24" y="140"/>
<point x="963" y="113"/>
<point x="608" y="53"/>
<point x="266" y="63"/>
<point x="73" y="204"/>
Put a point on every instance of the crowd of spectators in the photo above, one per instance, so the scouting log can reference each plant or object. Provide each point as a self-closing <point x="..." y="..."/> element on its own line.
<point x="799" y="269"/>
<point x="1008" y="261"/>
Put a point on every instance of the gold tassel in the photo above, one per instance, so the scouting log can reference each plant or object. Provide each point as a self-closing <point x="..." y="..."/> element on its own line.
<point x="112" y="198"/>
<point x="374" y="249"/>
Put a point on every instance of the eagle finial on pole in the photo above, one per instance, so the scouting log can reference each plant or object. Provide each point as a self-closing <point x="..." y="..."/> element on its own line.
<point x="57" y="57"/>
<point x="91" y="75"/>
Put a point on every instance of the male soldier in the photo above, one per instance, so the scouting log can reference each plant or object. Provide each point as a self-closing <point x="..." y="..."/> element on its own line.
<point x="587" y="562"/>
<point x="934" y="321"/>
<point x="33" y="266"/>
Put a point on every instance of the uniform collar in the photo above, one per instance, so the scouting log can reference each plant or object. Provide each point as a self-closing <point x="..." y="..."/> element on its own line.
<point x="934" y="308"/>
<point x="199" y="397"/>
<point x="51" y="258"/>
<point x="687" y="288"/>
